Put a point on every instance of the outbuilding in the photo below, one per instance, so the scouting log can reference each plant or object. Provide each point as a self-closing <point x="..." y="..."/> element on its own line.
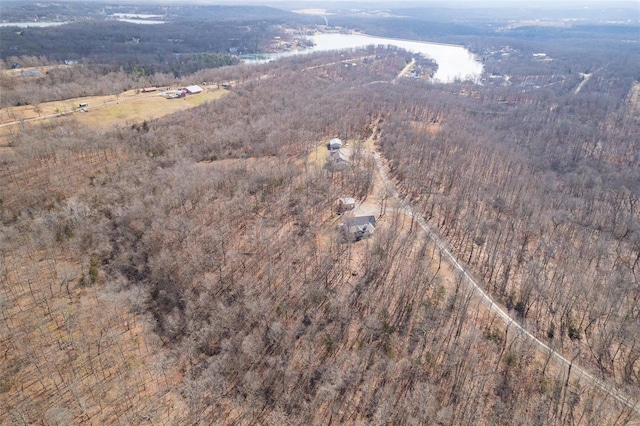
<point x="335" y="144"/>
<point x="346" y="204"/>
<point x="192" y="90"/>
<point x="31" y="73"/>
<point x="175" y="94"/>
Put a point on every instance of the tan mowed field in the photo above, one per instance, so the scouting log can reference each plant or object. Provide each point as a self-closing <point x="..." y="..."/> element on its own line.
<point x="103" y="111"/>
<point x="17" y="72"/>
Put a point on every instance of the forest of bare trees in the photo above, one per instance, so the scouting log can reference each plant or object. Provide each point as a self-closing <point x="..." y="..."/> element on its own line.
<point x="190" y="271"/>
<point x="540" y="201"/>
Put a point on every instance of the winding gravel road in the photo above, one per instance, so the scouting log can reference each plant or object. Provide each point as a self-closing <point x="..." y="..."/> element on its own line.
<point x="493" y="307"/>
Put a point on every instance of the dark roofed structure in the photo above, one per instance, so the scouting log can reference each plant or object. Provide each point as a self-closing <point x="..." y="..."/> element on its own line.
<point x="337" y="161"/>
<point x="360" y="227"/>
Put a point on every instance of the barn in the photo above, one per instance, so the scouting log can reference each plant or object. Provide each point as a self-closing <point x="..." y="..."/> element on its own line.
<point x="192" y="90"/>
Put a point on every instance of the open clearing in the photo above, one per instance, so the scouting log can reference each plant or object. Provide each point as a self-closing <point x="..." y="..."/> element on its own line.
<point x="103" y="112"/>
<point x="634" y="100"/>
<point x="17" y="72"/>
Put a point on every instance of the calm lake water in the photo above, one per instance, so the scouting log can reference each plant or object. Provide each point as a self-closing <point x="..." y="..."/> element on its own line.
<point x="454" y="62"/>
<point x="135" y="19"/>
<point x="30" y="24"/>
<point x="140" y="21"/>
<point x="135" y="16"/>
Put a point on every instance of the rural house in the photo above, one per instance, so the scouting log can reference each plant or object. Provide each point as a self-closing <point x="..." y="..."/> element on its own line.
<point x="360" y="227"/>
<point x="175" y="94"/>
<point x="337" y="161"/>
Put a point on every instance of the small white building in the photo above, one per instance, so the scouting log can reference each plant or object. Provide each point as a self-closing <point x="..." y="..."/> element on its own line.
<point x="346" y="204"/>
<point x="335" y="144"/>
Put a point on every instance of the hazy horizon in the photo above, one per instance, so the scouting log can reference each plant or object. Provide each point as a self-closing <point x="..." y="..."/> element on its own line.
<point x="386" y="3"/>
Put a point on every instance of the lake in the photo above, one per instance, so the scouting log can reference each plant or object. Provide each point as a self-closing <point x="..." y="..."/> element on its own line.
<point x="140" y="21"/>
<point x="454" y="62"/>
<point x="135" y="19"/>
<point x="138" y="18"/>
<point x="135" y="16"/>
<point x="30" y="24"/>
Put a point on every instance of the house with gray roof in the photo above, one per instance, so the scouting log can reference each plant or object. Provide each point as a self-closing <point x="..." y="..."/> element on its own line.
<point x="359" y="227"/>
<point x="337" y="161"/>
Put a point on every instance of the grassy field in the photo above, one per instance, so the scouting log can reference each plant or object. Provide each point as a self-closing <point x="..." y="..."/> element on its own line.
<point x="318" y="157"/>
<point x="17" y="72"/>
<point x="103" y="111"/>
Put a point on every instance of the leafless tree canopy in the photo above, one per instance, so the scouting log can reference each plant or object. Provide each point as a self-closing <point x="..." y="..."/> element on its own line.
<point x="190" y="270"/>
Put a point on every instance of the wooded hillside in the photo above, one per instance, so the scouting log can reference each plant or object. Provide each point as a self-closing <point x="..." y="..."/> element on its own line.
<point x="191" y="271"/>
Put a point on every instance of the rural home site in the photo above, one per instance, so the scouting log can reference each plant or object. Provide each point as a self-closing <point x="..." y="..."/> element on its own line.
<point x="344" y="212"/>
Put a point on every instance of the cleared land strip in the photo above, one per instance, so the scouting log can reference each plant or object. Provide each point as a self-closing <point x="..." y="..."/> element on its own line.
<point x="103" y="112"/>
<point x="406" y="69"/>
<point x="493" y="307"/>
